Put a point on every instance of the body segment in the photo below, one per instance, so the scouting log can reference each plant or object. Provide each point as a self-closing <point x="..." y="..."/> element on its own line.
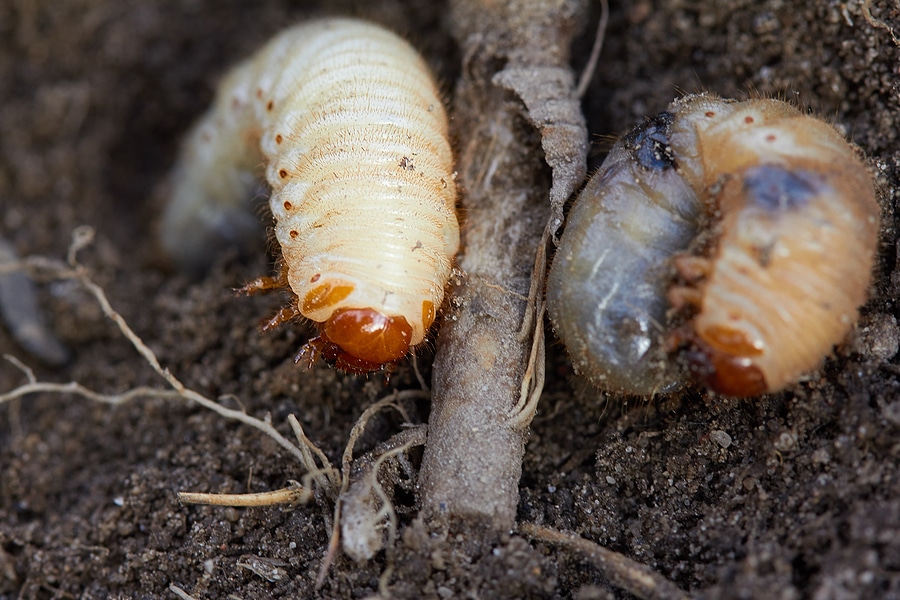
<point x="349" y="124"/>
<point x="795" y="238"/>
<point x="607" y="289"/>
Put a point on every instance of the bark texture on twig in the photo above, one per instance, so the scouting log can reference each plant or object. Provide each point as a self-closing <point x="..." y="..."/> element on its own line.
<point x="515" y="113"/>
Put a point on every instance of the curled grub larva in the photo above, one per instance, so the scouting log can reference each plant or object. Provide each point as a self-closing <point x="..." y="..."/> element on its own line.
<point x="350" y="126"/>
<point x="752" y="223"/>
<point x="606" y="290"/>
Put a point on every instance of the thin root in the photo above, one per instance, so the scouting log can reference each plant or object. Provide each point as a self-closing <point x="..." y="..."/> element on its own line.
<point x="591" y="65"/>
<point x="533" y="324"/>
<point x="877" y="23"/>
<point x="180" y="592"/>
<point x="387" y="511"/>
<point x="624" y="573"/>
<point x="295" y="494"/>
<point x="347" y="459"/>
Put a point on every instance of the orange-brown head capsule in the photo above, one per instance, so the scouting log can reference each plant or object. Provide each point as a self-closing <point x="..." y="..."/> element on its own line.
<point x="368" y="335"/>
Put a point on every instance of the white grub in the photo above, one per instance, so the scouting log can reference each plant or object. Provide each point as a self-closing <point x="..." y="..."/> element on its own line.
<point x="349" y="124"/>
<point x="751" y="222"/>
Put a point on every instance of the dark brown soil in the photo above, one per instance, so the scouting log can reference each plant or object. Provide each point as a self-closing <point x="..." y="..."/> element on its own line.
<point x="793" y="495"/>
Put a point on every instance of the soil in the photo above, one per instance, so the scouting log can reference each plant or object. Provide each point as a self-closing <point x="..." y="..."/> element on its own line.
<point x="789" y="495"/>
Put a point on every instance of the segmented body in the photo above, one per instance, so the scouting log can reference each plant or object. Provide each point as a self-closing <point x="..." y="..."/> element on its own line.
<point x="349" y="123"/>
<point x="606" y="292"/>
<point x="773" y="277"/>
